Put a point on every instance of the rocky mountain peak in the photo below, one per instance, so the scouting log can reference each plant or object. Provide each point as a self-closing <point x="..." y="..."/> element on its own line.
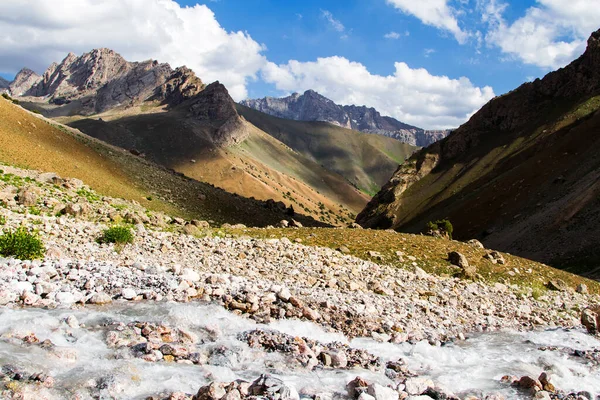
<point x="23" y="82"/>
<point x="102" y="79"/>
<point x="312" y="106"/>
<point x="215" y="105"/>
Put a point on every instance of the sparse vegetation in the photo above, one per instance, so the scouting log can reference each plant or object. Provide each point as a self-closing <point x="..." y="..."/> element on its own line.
<point x="443" y="227"/>
<point x="21" y="244"/>
<point x="120" y="235"/>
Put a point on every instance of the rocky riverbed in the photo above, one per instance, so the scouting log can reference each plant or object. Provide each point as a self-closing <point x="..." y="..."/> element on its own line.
<point x="279" y="304"/>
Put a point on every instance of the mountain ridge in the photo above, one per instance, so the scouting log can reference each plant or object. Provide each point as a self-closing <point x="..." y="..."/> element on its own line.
<point x="312" y="106"/>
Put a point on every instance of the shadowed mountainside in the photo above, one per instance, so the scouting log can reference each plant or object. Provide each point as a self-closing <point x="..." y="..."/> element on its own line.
<point x="523" y="174"/>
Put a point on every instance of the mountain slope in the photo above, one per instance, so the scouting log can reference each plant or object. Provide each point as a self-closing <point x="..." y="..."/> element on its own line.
<point x="30" y="141"/>
<point x="365" y="160"/>
<point x="311" y="106"/>
<point x="523" y="174"/>
<point x="175" y="120"/>
<point x="207" y="140"/>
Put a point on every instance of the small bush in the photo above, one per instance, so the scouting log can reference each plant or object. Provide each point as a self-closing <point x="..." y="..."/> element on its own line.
<point x="2" y="220"/>
<point x="120" y="235"/>
<point x="443" y="226"/>
<point x="6" y="96"/>
<point x="21" y="244"/>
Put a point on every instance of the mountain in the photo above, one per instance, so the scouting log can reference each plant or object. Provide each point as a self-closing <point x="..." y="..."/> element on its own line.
<point x="3" y="84"/>
<point x="171" y="118"/>
<point x="367" y="161"/>
<point x="311" y="106"/>
<point x="101" y="80"/>
<point x="42" y="144"/>
<point x="523" y="174"/>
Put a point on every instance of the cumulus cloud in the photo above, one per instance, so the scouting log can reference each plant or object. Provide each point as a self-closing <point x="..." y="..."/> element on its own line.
<point x="549" y="35"/>
<point x="433" y="12"/>
<point x="411" y="95"/>
<point x="34" y="33"/>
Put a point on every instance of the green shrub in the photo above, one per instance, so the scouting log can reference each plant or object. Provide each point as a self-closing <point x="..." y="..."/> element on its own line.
<point x="21" y="244"/>
<point x="120" y="235"/>
<point x="2" y="220"/>
<point x="444" y="226"/>
<point x="6" y="96"/>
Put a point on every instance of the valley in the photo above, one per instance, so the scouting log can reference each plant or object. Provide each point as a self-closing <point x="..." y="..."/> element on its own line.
<point x="183" y="233"/>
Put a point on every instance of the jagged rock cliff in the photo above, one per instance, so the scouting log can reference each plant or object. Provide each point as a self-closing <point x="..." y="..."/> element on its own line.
<point x="523" y="174"/>
<point x="311" y="106"/>
<point x="102" y="79"/>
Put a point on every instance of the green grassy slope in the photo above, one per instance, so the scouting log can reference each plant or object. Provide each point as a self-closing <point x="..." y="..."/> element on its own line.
<point x="366" y="160"/>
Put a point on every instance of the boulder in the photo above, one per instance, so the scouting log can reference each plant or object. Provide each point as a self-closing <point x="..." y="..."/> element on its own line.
<point x="214" y="391"/>
<point x="582" y="288"/>
<point x="590" y="318"/>
<point x="476" y="244"/>
<point x="495" y="257"/>
<point x="27" y="197"/>
<point x="458" y="259"/>
<point x="272" y="388"/>
<point x="380" y="392"/>
<point x="558" y="285"/>
<point x="356" y="386"/>
<point x="100" y="298"/>
<point x="418" y="385"/>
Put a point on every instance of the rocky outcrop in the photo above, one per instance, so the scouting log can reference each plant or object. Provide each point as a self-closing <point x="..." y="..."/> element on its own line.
<point x="215" y="106"/>
<point x="482" y="176"/>
<point x="311" y="106"/>
<point x="102" y="79"/>
<point x="23" y="82"/>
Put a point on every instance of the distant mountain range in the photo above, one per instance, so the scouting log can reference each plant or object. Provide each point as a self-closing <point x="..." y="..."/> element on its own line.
<point x="522" y="175"/>
<point x="311" y="106"/>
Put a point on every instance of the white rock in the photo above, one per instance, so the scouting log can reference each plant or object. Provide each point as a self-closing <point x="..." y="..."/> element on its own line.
<point x="7" y="297"/>
<point x="128" y="294"/>
<point x="189" y="274"/>
<point x="380" y="392"/>
<point x="65" y="298"/>
<point x="415" y="386"/>
<point x="365" y="396"/>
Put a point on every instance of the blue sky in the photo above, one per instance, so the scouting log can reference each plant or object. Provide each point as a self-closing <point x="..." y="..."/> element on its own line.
<point x="298" y="30"/>
<point x="430" y="63"/>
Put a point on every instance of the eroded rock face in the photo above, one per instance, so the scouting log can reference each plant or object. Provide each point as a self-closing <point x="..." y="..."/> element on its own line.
<point x="311" y="106"/>
<point x="102" y="79"/>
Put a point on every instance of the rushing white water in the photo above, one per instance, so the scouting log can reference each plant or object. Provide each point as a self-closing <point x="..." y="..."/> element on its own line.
<point x="82" y="359"/>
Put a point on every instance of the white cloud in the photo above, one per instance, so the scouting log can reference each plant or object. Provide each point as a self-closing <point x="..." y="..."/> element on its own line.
<point x="335" y="24"/>
<point x="433" y="12"/>
<point x="549" y="35"/>
<point x="411" y="95"/>
<point x="392" y="35"/>
<point x="34" y="33"/>
<point x="428" y="52"/>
